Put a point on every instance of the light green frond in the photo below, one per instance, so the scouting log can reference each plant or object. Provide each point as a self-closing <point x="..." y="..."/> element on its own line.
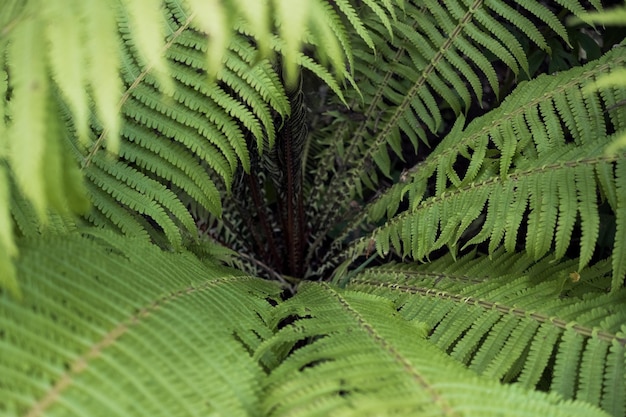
<point x="291" y="16"/>
<point x="364" y="359"/>
<point x="101" y="49"/>
<point x="509" y="317"/>
<point x="257" y="16"/>
<point x="331" y="40"/>
<point x="580" y="14"/>
<point x="212" y="19"/>
<point x="8" y="248"/>
<point x="66" y="54"/>
<point x="27" y="131"/>
<point x="348" y="10"/>
<point x="142" y="25"/>
<point x="126" y="329"/>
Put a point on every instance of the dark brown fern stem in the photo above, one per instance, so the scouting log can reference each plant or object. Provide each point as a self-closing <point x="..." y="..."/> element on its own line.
<point x="293" y="230"/>
<point x="257" y="244"/>
<point x="290" y="145"/>
<point x="271" y="252"/>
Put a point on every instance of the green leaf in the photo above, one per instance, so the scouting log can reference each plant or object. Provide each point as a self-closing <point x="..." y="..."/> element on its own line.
<point x="28" y="107"/>
<point x="363" y="359"/>
<point x="126" y="329"/>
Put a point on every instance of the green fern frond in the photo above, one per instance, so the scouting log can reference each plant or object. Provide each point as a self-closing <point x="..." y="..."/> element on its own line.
<point x="220" y="89"/>
<point x="444" y="219"/>
<point x="348" y="10"/>
<point x="142" y="27"/>
<point x="125" y="329"/>
<point x="201" y="125"/>
<point x="185" y="173"/>
<point x="142" y="195"/>
<point x="363" y="359"/>
<point x="316" y="68"/>
<point x="534" y="161"/>
<point x="511" y="325"/>
<point x="27" y="142"/>
<point x="619" y="252"/>
<point x="109" y="214"/>
<point x="8" y="248"/>
<point x="438" y="52"/>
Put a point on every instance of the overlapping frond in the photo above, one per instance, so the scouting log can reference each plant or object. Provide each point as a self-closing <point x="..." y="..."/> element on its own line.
<point x="46" y="48"/>
<point x="538" y="324"/>
<point x="363" y="359"/>
<point x="187" y="83"/>
<point x="537" y="160"/>
<point x="439" y="53"/>
<point x="126" y="329"/>
<point x="200" y="127"/>
<point x="175" y="148"/>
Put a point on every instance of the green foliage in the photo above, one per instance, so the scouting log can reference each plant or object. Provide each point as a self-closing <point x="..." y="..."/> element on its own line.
<point x="174" y="174"/>
<point x="126" y="329"/>
<point x="550" y="140"/>
<point x="540" y="324"/>
<point x="150" y="96"/>
<point x="365" y="360"/>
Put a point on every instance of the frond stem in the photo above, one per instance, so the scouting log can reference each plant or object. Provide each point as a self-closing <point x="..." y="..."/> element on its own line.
<point x="501" y="308"/>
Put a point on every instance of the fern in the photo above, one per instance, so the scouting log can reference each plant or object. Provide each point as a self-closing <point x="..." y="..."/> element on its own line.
<point x="430" y="63"/>
<point x="365" y="360"/>
<point x="511" y="326"/>
<point x="536" y="168"/>
<point x="106" y="323"/>
<point x="168" y="94"/>
<point x="220" y="154"/>
<point x="168" y="329"/>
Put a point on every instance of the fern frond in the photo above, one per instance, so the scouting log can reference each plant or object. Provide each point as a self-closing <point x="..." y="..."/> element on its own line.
<point x="201" y="125"/>
<point x="142" y="26"/>
<point x="348" y="10"/>
<point x="141" y="195"/>
<point x="220" y="89"/>
<point x="439" y="52"/>
<point x="8" y="249"/>
<point x="512" y="325"/>
<point x="126" y="329"/>
<point x="30" y="86"/>
<point x="362" y="359"/>
<point x="108" y="213"/>
<point x="443" y="219"/>
<point x="184" y="173"/>
<point x="534" y="162"/>
<point x="103" y="42"/>
<point x="619" y="253"/>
